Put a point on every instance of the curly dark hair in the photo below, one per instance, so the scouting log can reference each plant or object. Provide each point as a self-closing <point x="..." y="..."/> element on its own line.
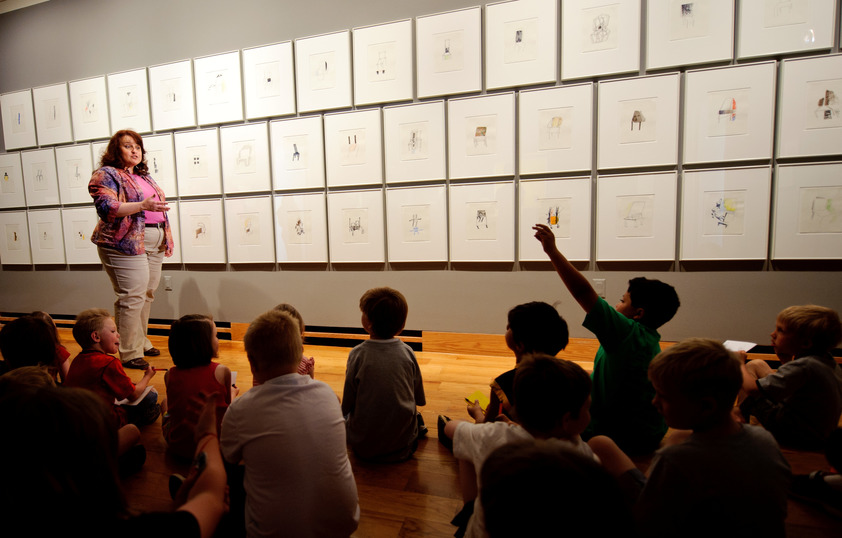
<point x="112" y="156"/>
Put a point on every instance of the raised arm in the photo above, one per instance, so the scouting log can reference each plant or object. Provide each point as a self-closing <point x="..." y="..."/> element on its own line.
<point x="141" y="385"/>
<point x="576" y="283"/>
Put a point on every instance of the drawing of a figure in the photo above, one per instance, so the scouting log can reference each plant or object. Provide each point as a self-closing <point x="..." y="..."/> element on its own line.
<point x="482" y="219"/>
<point x="321" y="70"/>
<point x="299" y="227"/>
<point x="39" y="177"/>
<point x="600" y="32"/>
<point x="828" y="106"/>
<point x="414" y="144"/>
<point x="638" y="118"/>
<point x="128" y="99"/>
<point x="415" y="224"/>
<point x="687" y="17"/>
<point x="554" y="127"/>
<point x="720" y="213"/>
<point x="822" y="210"/>
<point x="380" y="66"/>
<point x="728" y="109"/>
<point x="5" y="176"/>
<point x="480" y="136"/>
<point x="355" y="226"/>
<point x="155" y="168"/>
<point x="446" y="54"/>
<point x="90" y="110"/>
<point x="634" y="217"/>
<point x="296" y="155"/>
<point x="783" y="8"/>
<point x="552" y="217"/>
<point x="217" y="85"/>
<point x="201" y="231"/>
<point x="351" y="149"/>
<point x="76" y="175"/>
<point x="81" y="235"/>
<point x="244" y="156"/>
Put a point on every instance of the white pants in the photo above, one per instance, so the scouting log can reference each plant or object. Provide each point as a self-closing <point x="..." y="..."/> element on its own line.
<point x="135" y="279"/>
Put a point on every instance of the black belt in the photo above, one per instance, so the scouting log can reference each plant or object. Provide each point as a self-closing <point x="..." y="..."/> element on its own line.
<point x="155" y="225"/>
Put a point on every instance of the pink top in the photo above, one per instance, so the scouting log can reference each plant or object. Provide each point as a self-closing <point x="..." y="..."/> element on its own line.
<point x="152" y="217"/>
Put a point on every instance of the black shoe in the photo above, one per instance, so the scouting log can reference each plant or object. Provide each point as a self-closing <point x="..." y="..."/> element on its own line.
<point x="152" y="352"/>
<point x="175" y="483"/>
<point x="444" y="439"/>
<point x="137" y="364"/>
<point x="422" y="428"/>
<point x="132" y="461"/>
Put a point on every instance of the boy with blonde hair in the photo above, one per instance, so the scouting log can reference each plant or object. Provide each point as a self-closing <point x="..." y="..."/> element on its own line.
<point x="801" y="402"/>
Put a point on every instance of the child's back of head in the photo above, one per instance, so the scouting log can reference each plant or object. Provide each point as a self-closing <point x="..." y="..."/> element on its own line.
<point x="817" y="328"/>
<point x="273" y="343"/>
<point x="191" y="341"/>
<point x="658" y="300"/>
<point x="27" y="341"/>
<point x="88" y="322"/>
<point x="292" y="311"/>
<point x="386" y="310"/>
<point x="537" y="327"/>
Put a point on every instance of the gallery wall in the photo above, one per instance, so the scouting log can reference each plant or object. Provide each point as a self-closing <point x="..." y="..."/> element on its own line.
<point x="467" y="288"/>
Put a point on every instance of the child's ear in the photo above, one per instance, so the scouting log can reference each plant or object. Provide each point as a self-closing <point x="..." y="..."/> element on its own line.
<point x="95" y="337"/>
<point x="638" y="314"/>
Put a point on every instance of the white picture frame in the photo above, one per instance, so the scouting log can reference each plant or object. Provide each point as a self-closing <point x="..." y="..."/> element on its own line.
<point x="521" y="43"/>
<point x="725" y="214"/>
<point x="356" y="226"/>
<point x="97" y="151"/>
<point x="448" y="53"/>
<point x="413" y="142"/>
<point x="46" y="238"/>
<point x="18" y="120"/>
<point x="323" y="71"/>
<point x="638" y="122"/>
<point x="219" y="90"/>
<point x="78" y="224"/>
<point x="775" y="27"/>
<point x="416" y="224"/>
<point x="696" y="33"/>
<point x="128" y="100"/>
<point x="197" y="165"/>
<point x="14" y="241"/>
<point x="11" y="181"/>
<point x="160" y="159"/>
<point x="599" y="38"/>
<point x="481" y="136"/>
<point x="555" y="129"/>
<point x="810" y="107"/>
<point x="562" y="204"/>
<point x="298" y="153"/>
<point x="40" y="180"/>
<point x="482" y="217"/>
<point x="383" y="63"/>
<point x="635" y="217"/>
<point x="269" y="81"/>
<point x="353" y="148"/>
<point x="202" y="231"/>
<point x="729" y="113"/>
<point x="802" y="228"/>
<point x="74" y="168"/>
<point x="52" y="114"/>
<point x="175" y="228"/>
<point x="171" y="96"/>
<point x="89" y="109"/>
<point x="301" y="228"/>
<point x="249" y="229"/>
<point x="245" y="158"/>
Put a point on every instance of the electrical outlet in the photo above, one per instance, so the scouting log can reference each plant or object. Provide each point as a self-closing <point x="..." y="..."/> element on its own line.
<point x="167" y="283"/>
<point x="599" y="286"/>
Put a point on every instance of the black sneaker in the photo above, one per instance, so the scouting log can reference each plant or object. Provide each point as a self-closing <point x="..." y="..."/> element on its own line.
<point x="444" y="439"/>
<point x="813" y="489"/>
<point x="422" y="428"/>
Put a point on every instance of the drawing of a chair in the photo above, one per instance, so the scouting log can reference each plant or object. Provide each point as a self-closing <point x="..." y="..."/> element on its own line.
<point x="479" y="136"/>
<point x="634" y="216"/>
<point x="728" y="109"/>
<point x="638" y="118"/>
<point x="352" y="146"/>
<point x="200" y="230"/>
<point x="554" y="127"/>
<point x="296" y="156"/>
<point x="380" y="67"/>
<point x="244" y="156"/>
<point x="822" y="210"/>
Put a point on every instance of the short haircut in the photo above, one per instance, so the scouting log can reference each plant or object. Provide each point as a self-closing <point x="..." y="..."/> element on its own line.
<point x="273" y="340"/>
<point x="699" y="368"/>
<point x="88" y="322"/>
<point x="27" y="341"/>
<point x="190" y="341"/>
<point x="545" y="389"/>
<point x="538" y="327"/>
<point x="658" y="300"/>
<point x="27" y="376"/>
<point x="817" y="325"/>
<point x="292" y="311"/>
<point x="386" y="310"/>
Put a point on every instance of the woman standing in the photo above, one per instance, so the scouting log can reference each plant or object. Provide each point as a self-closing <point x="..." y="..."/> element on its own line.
<point x="132" y="236"/>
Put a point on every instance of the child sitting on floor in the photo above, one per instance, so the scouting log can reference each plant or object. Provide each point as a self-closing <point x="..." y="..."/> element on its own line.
<point x="801" y="402"/>
<point x="307" y="364"/>
<point x="61" y="364"/>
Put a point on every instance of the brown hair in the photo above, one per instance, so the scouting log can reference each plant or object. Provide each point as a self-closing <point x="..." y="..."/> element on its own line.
<point x="817" y="325"/>
<point x="386" y="310"/>
<point x="272" y="341"/>
<point x="112" y="156"/>
<point x="88" y="322"/>
<point x="190" y="342"/>
<point x="292" y="311"/>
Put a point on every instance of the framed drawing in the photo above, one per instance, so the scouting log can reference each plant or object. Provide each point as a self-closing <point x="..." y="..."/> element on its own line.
<point x="777" y="26"/>
<point x="301" y="228"/>
<point x="810" y="109"/>
<point x="160" y="159"/>
<point x="219" y="91"/>
<point x="249" y="230"/>
<point x="481" y="136"/>
<point x="52" y="114"/>
<point x="555" y="129"/>
<point x="323" y="71"/>
<point x="414" y="142"/>
<point x="268" y="81"/>
<point x="202" y="235"/>
<point x="416" y="224"/>
<point x="197" y="162"/>
<point x="175" y="227"/>
<point x="725" y="214"/>
<point x="97" y="150"/>
<point x="521" y="43"/>
<point x="635" y="217"/>
<point x="14" y="243"/>
<point x="562" y="204"/>
<point x="40" y="181"/>
<point x="18" y="120"/>
<point x="74" y="168"/>
<point x="78" y="224"/>
<point x="11" y="181"/>
<point x="729" y="113"/>
<point x="89" y="109"/>
<point x="353" y="148"/>
<point x="448" y="53"/>
<point x="481" y="222"/>
<point x="685" y="33"/>
<point x="383" y="65"/>
<point x="245" y="158"/>
<point x="599" y="37"/>
<point x="298" y="153"/>
<point x="128" y="100"/>
<point x="171" y="93"/>
<point x="638" y="122"/>
<point x="356" y="226"/>
<point x="46" y="237"/>
<point x="808" y="219"/>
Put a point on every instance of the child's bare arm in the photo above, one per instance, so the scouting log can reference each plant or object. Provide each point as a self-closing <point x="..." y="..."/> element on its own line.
<point x="141" y="385"/>
<point x="749" y="381"/>
<point x="576" y="283"/>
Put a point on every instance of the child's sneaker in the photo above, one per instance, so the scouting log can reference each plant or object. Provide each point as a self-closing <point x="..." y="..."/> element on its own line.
<point x="444" y="439"/>
<point x="814" y="489"/>
<point x="422" y="428"/>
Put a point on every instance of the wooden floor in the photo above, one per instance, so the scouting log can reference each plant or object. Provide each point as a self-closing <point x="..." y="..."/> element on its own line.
<point x="419" y="497"/>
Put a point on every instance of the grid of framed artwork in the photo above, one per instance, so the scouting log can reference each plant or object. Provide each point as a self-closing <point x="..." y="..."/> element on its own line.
<point x="267" y="158"/>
